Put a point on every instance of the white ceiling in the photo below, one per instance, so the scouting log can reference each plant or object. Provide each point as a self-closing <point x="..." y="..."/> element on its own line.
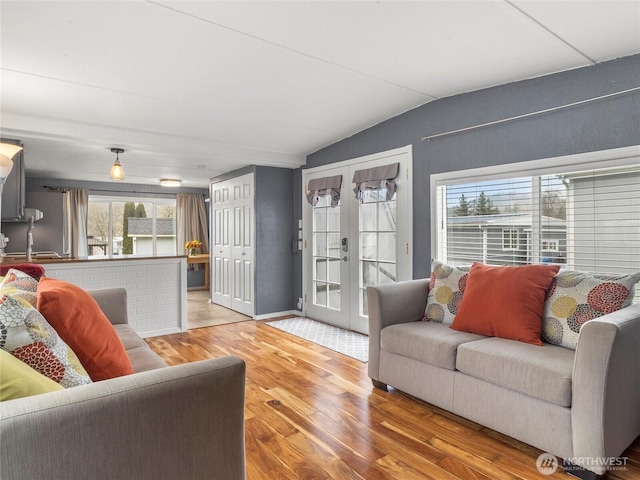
<point x="193" y="89"/>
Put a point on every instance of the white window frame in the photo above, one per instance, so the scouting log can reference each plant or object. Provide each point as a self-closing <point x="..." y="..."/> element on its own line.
<point x="110" y="199"/>
<point x="512" y="247"/>
<point x="547" y="242"/>
<point x="602" y="159"/>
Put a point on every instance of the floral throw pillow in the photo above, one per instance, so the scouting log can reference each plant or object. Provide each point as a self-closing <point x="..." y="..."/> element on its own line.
<point x="20" y="284"/>
<point x="446" y="287"/>
<point x="26" y="335"/>
<point x="574" y="298"/>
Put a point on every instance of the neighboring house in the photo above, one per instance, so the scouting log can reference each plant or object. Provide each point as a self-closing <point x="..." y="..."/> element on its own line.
<point x="141" y="231"/>
<point x="504" y="239"/>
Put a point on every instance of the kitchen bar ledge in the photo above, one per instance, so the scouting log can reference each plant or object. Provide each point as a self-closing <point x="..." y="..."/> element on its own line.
<point x="156" y="285"/>
<point x="14" y="259"/>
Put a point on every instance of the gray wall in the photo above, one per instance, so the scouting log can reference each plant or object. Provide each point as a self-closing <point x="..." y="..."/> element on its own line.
<point x="274" y="256"/>
<point x="600" y="125"/>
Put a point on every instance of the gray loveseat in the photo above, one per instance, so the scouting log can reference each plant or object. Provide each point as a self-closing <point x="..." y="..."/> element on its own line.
<point x="185" y="421"/>
<point x="582" y="406"/>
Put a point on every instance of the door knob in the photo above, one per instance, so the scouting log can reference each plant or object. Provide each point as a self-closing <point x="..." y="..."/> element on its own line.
<point x="345" y="258"/>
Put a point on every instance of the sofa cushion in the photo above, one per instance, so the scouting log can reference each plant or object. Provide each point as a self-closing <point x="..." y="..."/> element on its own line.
<point x="575" y="297"/>
<point x="26" y="335"/>
<point x="427" y="342"/>
<point x="141" y="356"/>
<point x="79" y="321"/>
<point x="18" y="380"/>
<point x="541" y="372"/>
<point x="505" y="302"/>
<point x="446" y="287"/>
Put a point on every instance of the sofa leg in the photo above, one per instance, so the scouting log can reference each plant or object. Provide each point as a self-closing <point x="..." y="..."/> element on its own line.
<point x="380" y="385"/>
<point x="582" y="473"/>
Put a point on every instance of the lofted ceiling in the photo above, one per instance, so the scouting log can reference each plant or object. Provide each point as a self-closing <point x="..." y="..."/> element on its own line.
<point x="194" y="89"/>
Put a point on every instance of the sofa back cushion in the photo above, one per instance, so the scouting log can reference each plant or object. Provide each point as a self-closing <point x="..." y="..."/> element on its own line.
<point x="576" y="297"/>
<point x="81" y="323"/>
<point x="505" y="302"/>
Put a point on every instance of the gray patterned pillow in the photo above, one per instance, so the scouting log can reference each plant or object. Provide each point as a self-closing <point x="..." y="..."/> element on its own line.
<point x="574" y="298"/>
<point x="445" y="292"/>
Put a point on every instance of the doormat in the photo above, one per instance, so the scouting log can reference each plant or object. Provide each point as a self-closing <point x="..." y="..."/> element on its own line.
<point x="352" y="344"/>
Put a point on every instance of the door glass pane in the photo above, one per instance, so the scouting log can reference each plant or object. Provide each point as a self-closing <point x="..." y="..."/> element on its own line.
<point x="334" y="296"/>
<point x="319" y="219"/>
<point x="386" y="273"/>
<point x="321" y="269"/>
<point x="320" y="294"/>
<point x="368" y="213"/>
<point x="387" y="247"/>
<point x="387" y="216"/>
<point x="369" y="274"/>
<point x="320" y="244"/>
<point x="368" y="246"/>
<point x="333" y="247"/>
<point x="333" y="270"/>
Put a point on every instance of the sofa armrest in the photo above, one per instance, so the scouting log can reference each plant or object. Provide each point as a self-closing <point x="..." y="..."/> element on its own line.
<point x="606" y="385"/>
<point x="113" y="302"/>
<point x="389" y="304"/>
<point x="185" y="421"/>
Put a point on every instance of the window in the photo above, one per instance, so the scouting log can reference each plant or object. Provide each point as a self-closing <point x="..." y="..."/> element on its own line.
<point x="131" y="226"/>
<point x="582" y="212"/>
<point x="510" y="239"/>
<point x="550" y="245"/>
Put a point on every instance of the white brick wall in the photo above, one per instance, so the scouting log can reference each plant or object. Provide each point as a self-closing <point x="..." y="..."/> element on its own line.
<point x="156" y="289"/>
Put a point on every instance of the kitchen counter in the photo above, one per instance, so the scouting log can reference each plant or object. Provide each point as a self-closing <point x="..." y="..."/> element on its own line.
<point x="14" y="259"/>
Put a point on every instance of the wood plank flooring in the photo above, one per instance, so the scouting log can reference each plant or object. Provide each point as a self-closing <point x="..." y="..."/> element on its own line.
<point x="312" y="413"/>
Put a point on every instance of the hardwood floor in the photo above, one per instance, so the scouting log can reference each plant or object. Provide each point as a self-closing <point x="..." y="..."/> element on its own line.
<point x="312" y="413"/>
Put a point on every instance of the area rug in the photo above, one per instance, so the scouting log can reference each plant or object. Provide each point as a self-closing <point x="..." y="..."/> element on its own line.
<point x="352" y="344"/>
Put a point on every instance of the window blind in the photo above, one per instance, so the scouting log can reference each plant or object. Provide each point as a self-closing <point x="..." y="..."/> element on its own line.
<point x="587" y="220"/>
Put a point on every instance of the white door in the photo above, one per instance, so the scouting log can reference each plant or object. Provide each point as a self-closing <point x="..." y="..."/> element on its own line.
<point x="232" y="249"/>
<point x="354" y="245"/>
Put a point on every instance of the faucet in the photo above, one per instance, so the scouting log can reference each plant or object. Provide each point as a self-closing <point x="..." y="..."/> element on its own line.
<point x="29" y="240"/>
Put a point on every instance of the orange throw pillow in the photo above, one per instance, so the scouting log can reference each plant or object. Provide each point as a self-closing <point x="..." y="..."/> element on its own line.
<point x="80" y="322"/>
<point x="505" y="302"/>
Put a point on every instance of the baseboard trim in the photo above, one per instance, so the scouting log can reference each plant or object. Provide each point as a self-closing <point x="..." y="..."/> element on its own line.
<point x="158" y="333"/>
<point x="267" y="316"/>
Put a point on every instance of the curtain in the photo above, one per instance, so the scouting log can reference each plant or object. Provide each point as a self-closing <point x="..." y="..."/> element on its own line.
<point x="78" y="208"/>
<point x="321" y="187"/>
<point x="376" y="178"/>
<point x="191" y="218"/>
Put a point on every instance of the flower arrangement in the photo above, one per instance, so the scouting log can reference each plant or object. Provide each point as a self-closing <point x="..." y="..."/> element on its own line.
<point x="192" y="247"/>
<point x="192" y="244"/>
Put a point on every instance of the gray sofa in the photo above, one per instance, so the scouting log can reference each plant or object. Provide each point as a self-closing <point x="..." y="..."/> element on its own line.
<point x="184" y="421"/>
<point x="581" y="406"/>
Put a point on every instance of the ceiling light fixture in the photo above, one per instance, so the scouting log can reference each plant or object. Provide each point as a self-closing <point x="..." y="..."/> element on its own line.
<point x="7" y="152"/>
<point x="117" y="172"/>
<point x="170" y="182"/>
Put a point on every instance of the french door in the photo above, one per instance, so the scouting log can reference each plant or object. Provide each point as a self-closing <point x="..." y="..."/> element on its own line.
<point x="232" y="244"/>
<point x="353" y="245"/>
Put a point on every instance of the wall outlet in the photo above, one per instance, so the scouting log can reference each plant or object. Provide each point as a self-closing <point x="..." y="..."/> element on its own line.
<point x="299" y="305"/>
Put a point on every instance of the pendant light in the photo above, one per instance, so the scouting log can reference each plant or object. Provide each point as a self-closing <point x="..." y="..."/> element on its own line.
<point x="117" y="172"/>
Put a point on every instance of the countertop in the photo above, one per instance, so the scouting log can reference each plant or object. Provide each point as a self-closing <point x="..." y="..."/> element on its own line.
<point x="12" y="260"/>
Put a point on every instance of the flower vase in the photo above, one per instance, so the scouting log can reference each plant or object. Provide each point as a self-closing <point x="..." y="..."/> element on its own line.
<point x="193" y="252"/>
